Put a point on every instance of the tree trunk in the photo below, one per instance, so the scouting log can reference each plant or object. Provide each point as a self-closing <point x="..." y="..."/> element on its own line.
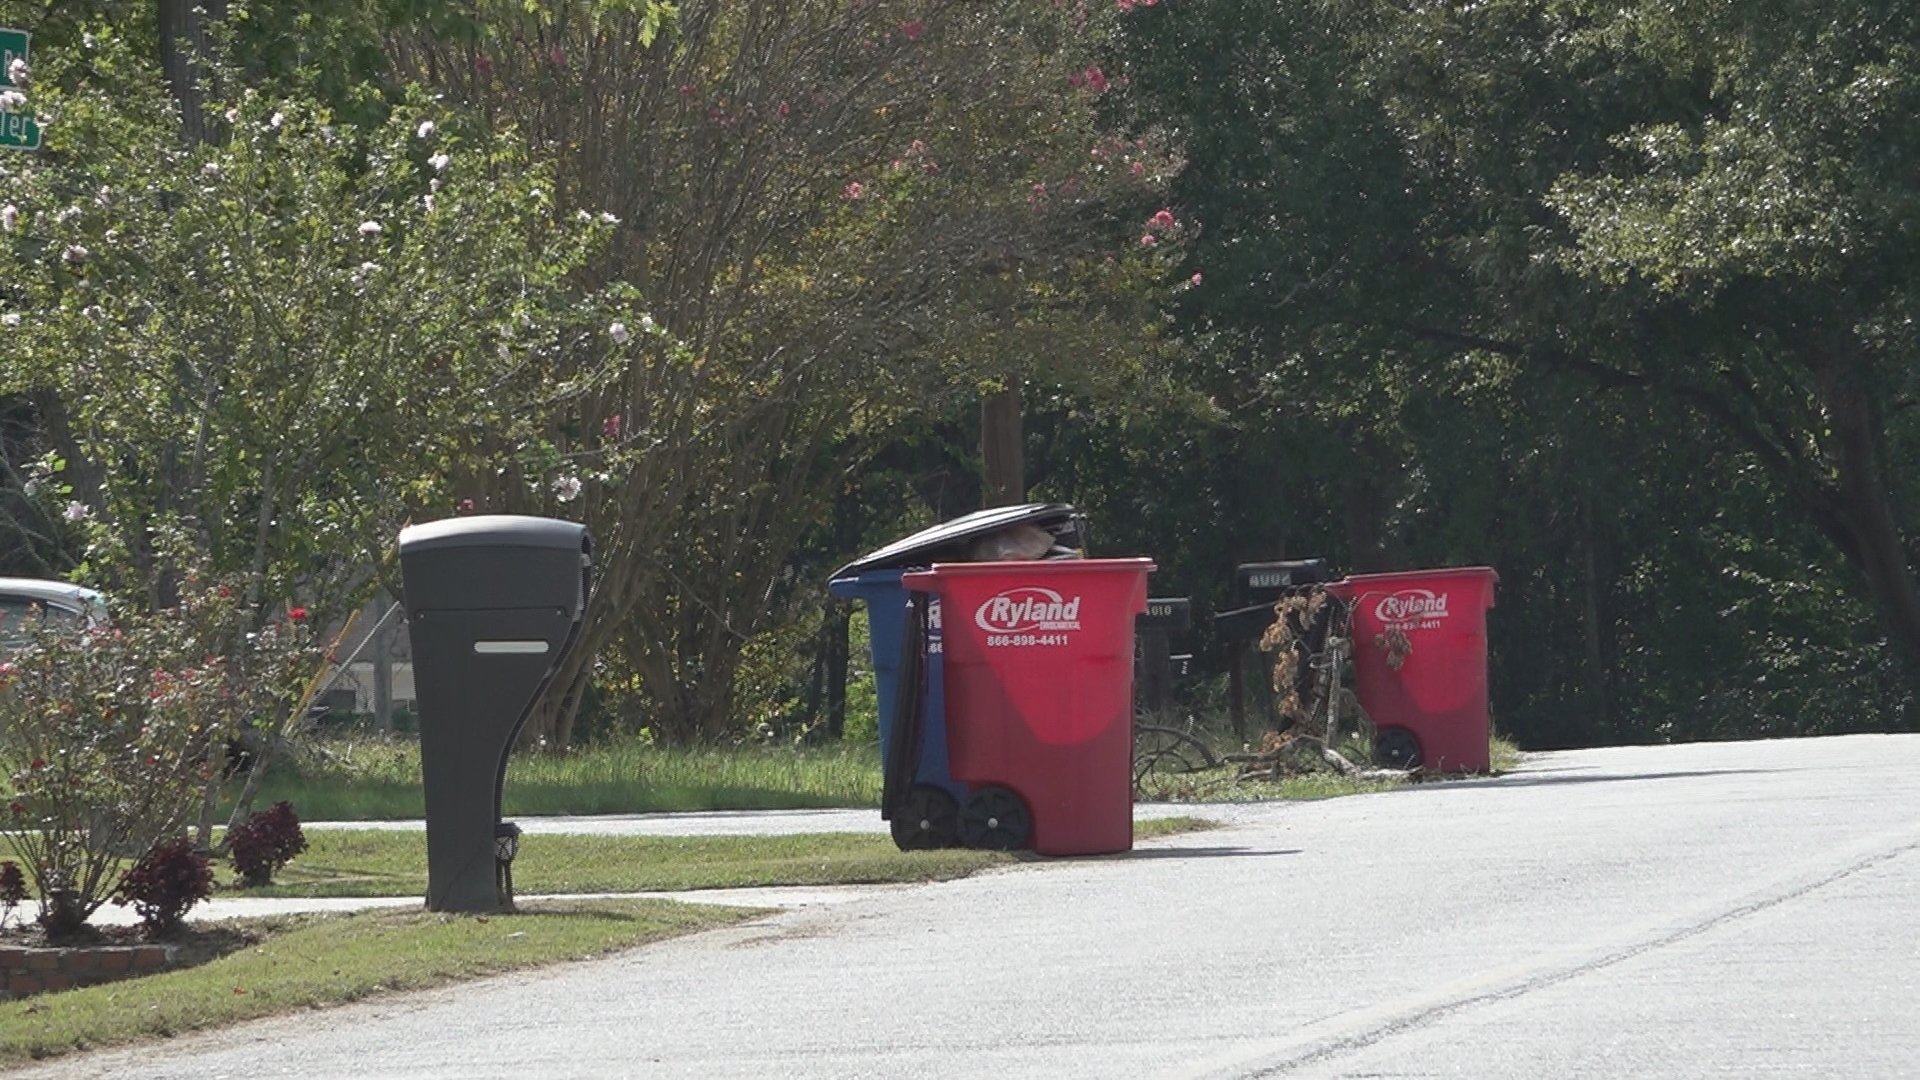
<point x="1596" y="657"/>
<point x="838" y="646"/>
<point x="1863" y="502"/>
<point x="183" y="44"/>
<point x="1001" y="453"/>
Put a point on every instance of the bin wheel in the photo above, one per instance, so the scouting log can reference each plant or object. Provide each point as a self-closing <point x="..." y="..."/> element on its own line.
<point x="928" y="818"/>
<point x="995" y="819"/>
<point x="1397" y="748"/>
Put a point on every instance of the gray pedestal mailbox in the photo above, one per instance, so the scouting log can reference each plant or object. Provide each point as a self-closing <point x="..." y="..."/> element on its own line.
<point x="493" y="603"/>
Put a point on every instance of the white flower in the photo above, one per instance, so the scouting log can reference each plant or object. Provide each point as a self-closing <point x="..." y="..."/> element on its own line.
<point x="646" y="323"/>
<point x="18" y="72"/>
<point x="276" y="120"/>
<point x="211" y="168"/>
<point x="567" y="488"/>
<point x="369" y="228"/>
<point x="233" y="115"/>
<point x="12" y="100"/>
<point x="94" y="312"/>
<point x="618" y="331"/>
<point x="78" y="511"/>
<point x="11" y="318"/>
<point x="9" y="217"/>
<point x="608" y="219"/>
<point x="68" y="214"/>
<point x="503" y="352"/>
<point x="74" y="253"/>
<point x="583" y="215"/>
<point x="433" y="185"/>
<point x="439" y="162"/>
<point x="427" y="202"/>
<point x="31" y="487"/>
<point x="425" y="129"/>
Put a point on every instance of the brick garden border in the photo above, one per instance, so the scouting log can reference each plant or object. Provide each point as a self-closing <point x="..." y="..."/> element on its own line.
<point x="27" y="970"/>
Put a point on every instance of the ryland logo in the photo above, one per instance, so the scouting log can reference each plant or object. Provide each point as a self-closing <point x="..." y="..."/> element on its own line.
<point x="1411" y="607"/>
<point x="1027" y="608"/>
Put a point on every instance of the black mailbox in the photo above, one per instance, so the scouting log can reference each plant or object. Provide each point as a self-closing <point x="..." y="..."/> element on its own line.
<point x="1166" y="614"/>
<point x="1266" y="581"/>
<point x="493" y="604"/>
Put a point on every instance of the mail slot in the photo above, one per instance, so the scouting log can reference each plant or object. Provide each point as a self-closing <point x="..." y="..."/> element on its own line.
<point x="493" y="604"/>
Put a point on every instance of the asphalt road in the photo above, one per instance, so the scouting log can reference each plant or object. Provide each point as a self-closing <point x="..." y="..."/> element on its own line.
<point x="1737" y="909"/>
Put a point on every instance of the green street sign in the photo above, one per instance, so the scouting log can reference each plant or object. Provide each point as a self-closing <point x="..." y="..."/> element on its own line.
<point x="13" y="46"/>
<point x="18" y="131"/>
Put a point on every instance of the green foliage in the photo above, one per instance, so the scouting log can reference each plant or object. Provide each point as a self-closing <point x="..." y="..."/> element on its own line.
<point x="284" y="346"/>
<point x="1612" y="301"/>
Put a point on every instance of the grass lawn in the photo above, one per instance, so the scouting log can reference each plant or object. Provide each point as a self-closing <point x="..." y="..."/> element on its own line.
<point x="373" y="779"/>
<point x="307" y="961"/>
<point x="1219" y="785"/>
<point x="385" y="862"/>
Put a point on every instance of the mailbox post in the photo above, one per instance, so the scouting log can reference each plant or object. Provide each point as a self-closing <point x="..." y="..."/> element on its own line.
<point x="1258" y="586"/>
<point x="493" y="604"/>
<point x="1165" y="616"/>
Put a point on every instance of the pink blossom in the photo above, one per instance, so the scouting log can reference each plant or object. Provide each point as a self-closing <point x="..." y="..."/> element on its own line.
<point x="916" y="147"/>
<point x="610" y="427"/>
<point x="1096" y="80"/>
<point x="855" y="190"/>
<point x="1195" y="279"/>
<point x="466" y="506"/>
<point x="913" y="29"/>
<point x="1137" y="168"/>
<point x="1126" y="5"/>
<point x="1148" y="240"/>
<point x="1161" y="220"/>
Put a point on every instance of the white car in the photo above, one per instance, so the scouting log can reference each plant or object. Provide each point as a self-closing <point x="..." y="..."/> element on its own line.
<point x="22" y="598"/>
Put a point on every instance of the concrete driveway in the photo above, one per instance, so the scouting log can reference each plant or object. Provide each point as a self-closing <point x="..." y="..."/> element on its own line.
<point x="1745" y="909"/>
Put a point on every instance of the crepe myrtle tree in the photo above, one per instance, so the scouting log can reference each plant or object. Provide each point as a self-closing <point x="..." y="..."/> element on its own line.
<point x="108" y="735"/>
<point x="285" y="343"/>
<point x="839" y="214"/>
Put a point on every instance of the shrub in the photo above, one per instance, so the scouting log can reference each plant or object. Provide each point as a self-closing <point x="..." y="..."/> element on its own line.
<point x="107" y="735"/>
<point x="268" y="841"/>
<point x="166" y="883"/>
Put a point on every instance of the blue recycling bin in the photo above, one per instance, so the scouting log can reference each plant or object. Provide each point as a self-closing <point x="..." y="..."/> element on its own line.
<point x="921" y="799"/>
<point x="886" y="604"/>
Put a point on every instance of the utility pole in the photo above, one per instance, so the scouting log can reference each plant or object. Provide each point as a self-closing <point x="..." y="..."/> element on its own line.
<point x="1002" y="457"/>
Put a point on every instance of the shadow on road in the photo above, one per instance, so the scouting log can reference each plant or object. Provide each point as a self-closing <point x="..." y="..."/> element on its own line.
<point x="1541" y="780"/>
<point x="1195" y="853"/>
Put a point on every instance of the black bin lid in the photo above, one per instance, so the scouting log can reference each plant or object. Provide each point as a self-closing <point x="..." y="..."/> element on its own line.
<point x="947" y="541"/>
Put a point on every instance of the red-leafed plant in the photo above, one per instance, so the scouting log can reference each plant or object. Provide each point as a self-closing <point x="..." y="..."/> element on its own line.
<point x="165" y="884"/>
<point x="266" y="842"/>
<point x="13" y="889"/>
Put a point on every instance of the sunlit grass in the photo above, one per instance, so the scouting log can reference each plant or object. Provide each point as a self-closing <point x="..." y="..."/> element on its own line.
<point x="372" y="779"/>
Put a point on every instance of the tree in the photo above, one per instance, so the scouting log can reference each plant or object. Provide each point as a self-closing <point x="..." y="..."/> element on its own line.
<point x="1693" y="204"/>
<point x="839" y="212"/>
<point x="270" y="345"/>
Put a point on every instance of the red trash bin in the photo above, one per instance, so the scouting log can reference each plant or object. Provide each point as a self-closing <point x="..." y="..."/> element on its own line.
<point x="1039" y="687"/>
<point x="1432" y="685"/>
